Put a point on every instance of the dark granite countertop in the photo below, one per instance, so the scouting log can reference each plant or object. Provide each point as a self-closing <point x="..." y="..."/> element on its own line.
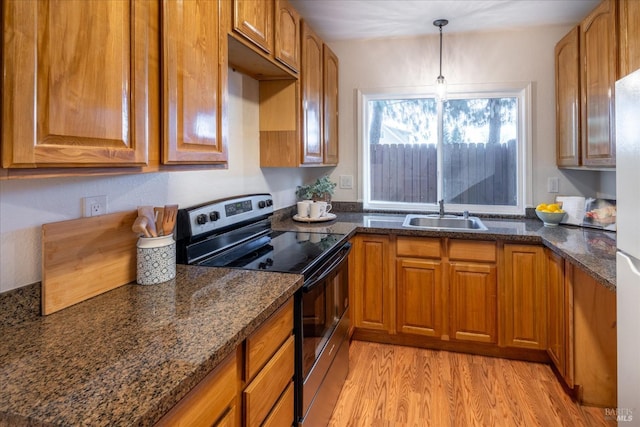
<point x="590" y="249"/>
<point x="125" y="357"/>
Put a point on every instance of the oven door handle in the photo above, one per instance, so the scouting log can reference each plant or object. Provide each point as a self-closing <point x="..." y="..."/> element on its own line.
<point x="329" y="267"/>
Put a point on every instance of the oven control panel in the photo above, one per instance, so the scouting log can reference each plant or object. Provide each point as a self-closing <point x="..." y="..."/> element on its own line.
<point x="209" y="217"/>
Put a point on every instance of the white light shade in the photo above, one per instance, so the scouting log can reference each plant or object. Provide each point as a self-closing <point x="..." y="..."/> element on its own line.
<point x="441" y="88"/>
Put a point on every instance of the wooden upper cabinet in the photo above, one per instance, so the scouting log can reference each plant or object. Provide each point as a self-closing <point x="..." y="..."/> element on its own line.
<point x="567" y="64"/>
<point x="254" y="20"/>
<point x="287" y="35"/>
<point x="76" y="83"/>
<point x="598" y="47"/>
<point x="194" y="82"/>
<point x="629" y="16"/>
<point x="312" y="97"/>
<point x="330" y="92"/>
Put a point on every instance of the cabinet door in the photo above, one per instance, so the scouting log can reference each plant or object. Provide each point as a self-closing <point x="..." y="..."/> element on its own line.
<point x="598" y="46"/>
<point x="555" y="310"/>
<point x="473" y="288"/>
<point x="420" y="297"/>
<point x="77" y="83"/>
<point x="524" y="314"/>
<point x="193" y="82"/>
<point x="287" y="31"/>
<point x="629" y="36"/>
<point x="254" y="20"/>
<point x="568" y="99"/>
<point x="311" y="81"/>
<point x="210" y="400"/>
<point x="372" y="296"/>
<point x="595" y="340"/>
<point x="330" y="119"/>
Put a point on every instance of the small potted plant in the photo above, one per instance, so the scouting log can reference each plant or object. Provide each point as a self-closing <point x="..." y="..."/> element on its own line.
<point x="322" y="189"/>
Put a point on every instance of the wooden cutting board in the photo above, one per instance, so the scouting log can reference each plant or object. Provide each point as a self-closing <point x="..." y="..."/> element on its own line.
<point x="82" y="258"/>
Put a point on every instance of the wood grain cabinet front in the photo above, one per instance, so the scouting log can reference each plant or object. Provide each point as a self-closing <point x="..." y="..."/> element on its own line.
<point x="629" y="17"/>
<point x="373" y="289"/>
<point x="268" y="370"/>
<point x="299" y="118"/>
<point x="523" y="298"/>
<point x="254" y="20"/>
<point x="194" y="82"/>
<point x="568" y="134"/>
<point x="211" y="403"/>
<point x="77" y="83"/>
<point x="599" y="55"/>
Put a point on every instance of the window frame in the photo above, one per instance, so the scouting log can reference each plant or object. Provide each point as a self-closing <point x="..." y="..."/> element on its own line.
<point x="520" y="90"/>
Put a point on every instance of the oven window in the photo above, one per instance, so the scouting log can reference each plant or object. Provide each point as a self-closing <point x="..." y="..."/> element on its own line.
<point x="322" y="308"/>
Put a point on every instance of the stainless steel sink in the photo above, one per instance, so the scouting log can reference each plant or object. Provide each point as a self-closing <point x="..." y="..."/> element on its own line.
<point x="448" y="222"/>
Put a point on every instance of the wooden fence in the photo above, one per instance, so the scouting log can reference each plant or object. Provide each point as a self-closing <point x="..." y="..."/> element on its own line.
<point x="483" y="174"/>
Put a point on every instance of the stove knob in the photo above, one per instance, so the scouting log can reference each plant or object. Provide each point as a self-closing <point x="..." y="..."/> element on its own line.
<point x="262" y="204"/>
<point x="201" y="219"/>
<point x="269" y="202"/>
<point x="214" y="216"/>
<point x="262" y="266"/>
<point x="269" y="261"/>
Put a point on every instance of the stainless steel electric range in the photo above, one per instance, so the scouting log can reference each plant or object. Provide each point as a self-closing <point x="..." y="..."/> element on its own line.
<point x="236" y="233"/>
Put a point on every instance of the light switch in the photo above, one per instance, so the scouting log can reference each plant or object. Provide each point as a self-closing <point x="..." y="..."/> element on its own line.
<point x="553" y="185"/>
<point x="346" y="181"/>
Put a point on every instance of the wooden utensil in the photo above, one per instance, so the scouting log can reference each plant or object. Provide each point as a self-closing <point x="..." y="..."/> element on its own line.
<point x="147" y="211"/>
<point x="169" y="219"/>
<point x="140" y="226"/>
<point x="159" y="214"/>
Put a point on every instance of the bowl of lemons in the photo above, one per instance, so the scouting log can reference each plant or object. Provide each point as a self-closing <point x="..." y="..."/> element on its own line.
<point x="551" y="214"/>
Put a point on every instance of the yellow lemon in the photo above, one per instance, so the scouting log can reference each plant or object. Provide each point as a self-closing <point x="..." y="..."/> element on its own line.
<point x="541" y="206"/>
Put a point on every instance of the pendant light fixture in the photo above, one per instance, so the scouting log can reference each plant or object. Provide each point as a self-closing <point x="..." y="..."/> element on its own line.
<point x="441" y="83"/>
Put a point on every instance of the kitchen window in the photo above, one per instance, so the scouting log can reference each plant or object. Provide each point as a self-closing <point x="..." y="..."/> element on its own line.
<point x="471" y="150"/>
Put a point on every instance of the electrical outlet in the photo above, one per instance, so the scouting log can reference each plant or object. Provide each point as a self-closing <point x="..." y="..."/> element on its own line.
<point x="94" y="205"/>
<point x="346" y="181"/>
<point x="553" y="185"/>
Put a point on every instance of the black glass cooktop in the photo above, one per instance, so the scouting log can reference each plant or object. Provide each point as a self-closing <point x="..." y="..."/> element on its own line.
<point x="281" y="251"/>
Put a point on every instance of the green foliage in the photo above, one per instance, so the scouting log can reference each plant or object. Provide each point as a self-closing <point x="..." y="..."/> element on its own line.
<point x="319" y="190"/>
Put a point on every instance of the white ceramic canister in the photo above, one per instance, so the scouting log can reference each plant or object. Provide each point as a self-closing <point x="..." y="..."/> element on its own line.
<point x="156" y="258"/>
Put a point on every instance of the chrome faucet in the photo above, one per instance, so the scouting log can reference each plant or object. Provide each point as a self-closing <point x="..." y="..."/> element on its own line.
<point x="441" y="203"/>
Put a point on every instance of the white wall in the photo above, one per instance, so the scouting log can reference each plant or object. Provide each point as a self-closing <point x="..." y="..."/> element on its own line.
<point x="487" y="57"/>
<point x="27" y="204"/>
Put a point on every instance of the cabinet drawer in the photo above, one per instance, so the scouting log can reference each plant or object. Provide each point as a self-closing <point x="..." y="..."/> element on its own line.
<point x="265" y="341"/>
<point x="282" y="414"/>
<point x="208" y="400"/>
<point x="266" y="388"/>
<point x="418" y="247"/>
<point x="472" y="251"/>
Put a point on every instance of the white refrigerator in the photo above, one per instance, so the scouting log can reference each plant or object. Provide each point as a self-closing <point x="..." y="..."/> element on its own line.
<point x="627" y="113"/>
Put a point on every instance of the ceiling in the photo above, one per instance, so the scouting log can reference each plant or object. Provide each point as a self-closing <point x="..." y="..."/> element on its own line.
<point x="365" y="19"/>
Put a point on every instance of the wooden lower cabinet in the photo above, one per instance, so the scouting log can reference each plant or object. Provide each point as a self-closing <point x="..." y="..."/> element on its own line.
<point x="253" y="386"/>
<point x="269" y="369"/>
<point x="523" y="297"/>
<point x="595" y="340"/>
<point x="373" y="287"/>
<point x="559" y="315"/>
<point x="211" y="402"/>
<point x="419" y="296"/>
<point x="473" y="303"/>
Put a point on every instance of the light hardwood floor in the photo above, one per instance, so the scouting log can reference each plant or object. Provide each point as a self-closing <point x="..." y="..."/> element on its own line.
<point x="394" y="386"/>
